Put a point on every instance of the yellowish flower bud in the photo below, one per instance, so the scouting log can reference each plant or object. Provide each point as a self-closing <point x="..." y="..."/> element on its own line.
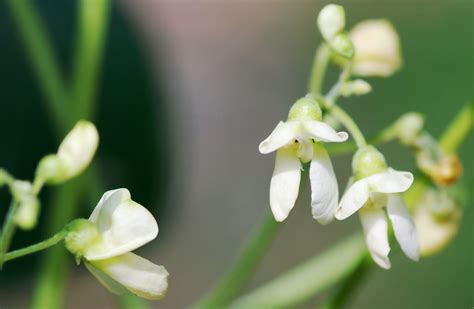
<point x="377" y="48"/>
<point x="26" y="216"/>
<point x="355" y="87"/>
<point x="368" y="161"/>
<point x="331" y="21"/>
<point x="305" y="109"/>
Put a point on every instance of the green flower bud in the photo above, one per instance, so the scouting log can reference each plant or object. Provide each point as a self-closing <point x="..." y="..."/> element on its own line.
<point x="368" y="161"/>
<point x="81" y="235"/>
<point x="355" y="87"/>
<point x="27" y="213"/>
<point x="342" y="45"/>
<point x="331" y="21"/>
<point x="51" y="169"/>
<point x="305" y="109"/>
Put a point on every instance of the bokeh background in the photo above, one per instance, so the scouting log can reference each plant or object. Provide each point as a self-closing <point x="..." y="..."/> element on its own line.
<point x="187" y="90"/>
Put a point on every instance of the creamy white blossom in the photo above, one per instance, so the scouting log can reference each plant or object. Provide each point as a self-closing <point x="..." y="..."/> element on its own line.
<point x="74" y="154"/>
<point x="298" y="141"/>
<point x="377" y="48"/>
<point x="371" y="195"/>
<point x="331" y="21"/>
<point x="117" y="226"/>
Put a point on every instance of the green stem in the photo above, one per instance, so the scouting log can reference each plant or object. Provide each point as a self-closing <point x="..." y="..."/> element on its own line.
<point x="350" y="125"/>
<point x="8" y="231"/>
<point x="244" y="266"/>
<point x="36" y="247"/>
<point x="43" y="60"/>
<point x="318" y="70"/>
<point x="306" y="280"/>
<point x="455" y="134"/>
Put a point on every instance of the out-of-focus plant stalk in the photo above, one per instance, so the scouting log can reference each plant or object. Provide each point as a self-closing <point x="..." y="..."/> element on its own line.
<point x="7" y="232"/>
<point x="286" y="290"/>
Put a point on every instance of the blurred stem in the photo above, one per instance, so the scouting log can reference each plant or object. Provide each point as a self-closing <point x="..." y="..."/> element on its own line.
<point x="318" y="71"/>
<point x="93" y="16"/>
<point x="244" y="266"/>
<point x="306" y="280"/>
<point x="36" y="247"/>
<point x="8" y="231"/>
<point x="43" y="60"/>
<point x="350" y="125"/>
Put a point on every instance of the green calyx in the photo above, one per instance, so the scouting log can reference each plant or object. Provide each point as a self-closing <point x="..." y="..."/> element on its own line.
<point x="368" y="161"/>
<point x="81" y="235"/>
<point x="306" y="108"/>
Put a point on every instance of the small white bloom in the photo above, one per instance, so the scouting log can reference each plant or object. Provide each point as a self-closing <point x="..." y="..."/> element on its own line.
<point x="355" y="87"/>
<point x="117" y="226"/>
<point x="74" y="154"/>
<point x="295" y="141"/>
<point x="331" y="21"/>
<point x="408" y="128"/>
<point x="370" y="195"/>
<point x="377" y="48"/>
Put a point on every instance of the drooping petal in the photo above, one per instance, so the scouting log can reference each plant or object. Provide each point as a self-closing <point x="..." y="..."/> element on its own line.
<point x="138" y="275"/>
<point x="111" y="285"/>
<point x="285" y="183"/>
<point x="124" y="225"/>
<point x="282" y="135"/>
<point x="391" y="181"/>
<point x="375" y="227"/>
<point x="324" y="190"/>
<point x="403" y="226"/>
<point x="323" y="132"/>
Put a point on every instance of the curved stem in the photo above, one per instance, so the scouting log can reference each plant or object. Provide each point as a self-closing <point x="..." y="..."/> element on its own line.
<point x="244" y="266"/>
<point x="347" y="121"/>
<point x="8" y="231"/>
<point x="320" y="63"/>
<point x="36" y="247"/>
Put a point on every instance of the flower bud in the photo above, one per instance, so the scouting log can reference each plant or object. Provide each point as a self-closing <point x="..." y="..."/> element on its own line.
<point x="342" y="45"/>
<point x="81" y="235"/>
<point x="27" y="213"/>
<point x="331" y="21"/>
<point x="408" y="127"/>
<point x="444" y="169"/>
<point x="74" y="155"/>
<point x="368" y="161"/>
<point x="377" y="48"/>
<point x="355" y="87"/>
<point x="305" y="109"/>
<point x="437" y="219"/>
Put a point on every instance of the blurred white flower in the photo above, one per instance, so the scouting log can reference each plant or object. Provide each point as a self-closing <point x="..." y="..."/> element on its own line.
<point x="117" y="226"/>
<point x="408" y="128"/>
<point x="74" y="154"/>
<point x="437" y="219"/>
<point x="26" y="216"/>
<point x="377" y="48"/>
<point x="369" y="195"/>
<point x="298" y="141"/>
<point x="331" y="21"/>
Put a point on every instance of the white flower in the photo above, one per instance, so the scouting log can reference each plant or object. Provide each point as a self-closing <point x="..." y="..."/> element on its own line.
<point x="369" y="195"/>
<point x="74" y="154"/>
<point x="377" y="48"/>
<point x="331" y="21"/>
<point x="117" y="226"/>
<point x="298" y="141"/>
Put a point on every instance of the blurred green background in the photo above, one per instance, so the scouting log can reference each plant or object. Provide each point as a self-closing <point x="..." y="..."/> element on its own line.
<point x="186" y="92"/>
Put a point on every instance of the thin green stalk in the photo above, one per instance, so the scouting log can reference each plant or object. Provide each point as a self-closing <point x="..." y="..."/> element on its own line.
<point x="36" y="247"/>
<point x="8" y="231"/>
<point x="244" y="266"/>
<point x="42" y="59"/>
<point x="455" y="134"/>
<point x="92" y="27"/>
<point x="318" y="70"/>
<point x="347" y="121"/>
<point x="304" y="281"/>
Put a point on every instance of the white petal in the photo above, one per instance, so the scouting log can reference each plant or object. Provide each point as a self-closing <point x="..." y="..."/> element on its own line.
<point x="285" y="183"/>
<point x="375" y="227"/>
<point x="323" y="132"/>
<point x="124" y="225"/>
<point x="282" y="135"/>
<point x="324" y="190"/>
<point x="357" y="195"/>
<point x="111" y="285"/>
<point x="78" y="148"/>
<point x="403" y="226"/>
<point x="136" y="274"/>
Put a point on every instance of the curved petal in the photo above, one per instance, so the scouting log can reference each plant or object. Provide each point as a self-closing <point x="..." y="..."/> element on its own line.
<point x="323" y="132"/>
<point x="324" y="190"/>
<point x="354" y="198"/>
<point x="391" y="181"/>
<point x="109" y="283"/>
<point x="375" y="227"/>
<point x="136" y="274"/>
<point x="124" y="225"/>
<point x="282" y="135"/>
<point x="285" y="183"/>
<point x="403" y="226"/>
